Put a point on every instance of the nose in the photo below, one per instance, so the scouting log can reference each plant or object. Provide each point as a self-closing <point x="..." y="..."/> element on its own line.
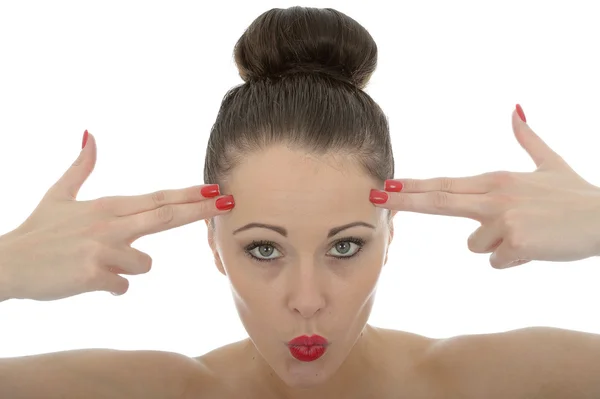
<point x="307" y="295"/>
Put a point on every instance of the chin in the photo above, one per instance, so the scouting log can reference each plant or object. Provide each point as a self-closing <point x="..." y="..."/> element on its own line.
<point x="305" y="375"/>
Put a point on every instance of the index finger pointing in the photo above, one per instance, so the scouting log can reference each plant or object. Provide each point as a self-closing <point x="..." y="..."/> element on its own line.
<point x="170" y="216"/>
<point x="130" y="205"/>
<point x="476" y="207"/>
<point x="478" y="184"/>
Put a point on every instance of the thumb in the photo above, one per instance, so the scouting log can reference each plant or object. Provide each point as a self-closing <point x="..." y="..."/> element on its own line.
<point x="68" y="186"/>
<point x="537" y="149"/>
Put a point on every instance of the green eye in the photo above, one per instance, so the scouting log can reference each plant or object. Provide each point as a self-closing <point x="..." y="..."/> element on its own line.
<point x="344" y="248"/>
<point x="262" y="251"/>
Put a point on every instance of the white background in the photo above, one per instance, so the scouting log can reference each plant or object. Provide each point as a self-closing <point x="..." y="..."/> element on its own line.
<point x="147" y="78"/>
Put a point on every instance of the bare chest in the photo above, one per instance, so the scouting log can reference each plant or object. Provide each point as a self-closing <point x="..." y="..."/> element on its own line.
<point x="403" y="387"/>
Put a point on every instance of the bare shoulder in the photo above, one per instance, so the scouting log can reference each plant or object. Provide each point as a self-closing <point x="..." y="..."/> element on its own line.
<point x="405" y="364"/>
<point x="221" y="357"/>
<point x="402" y="351"/>
<point x="215" y="376"/>
<point x="96" y="373"/>
<point x="414" y="343"/>
<point x="533" y="362"/>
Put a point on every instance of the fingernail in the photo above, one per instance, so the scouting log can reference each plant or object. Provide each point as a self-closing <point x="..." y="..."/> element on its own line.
<point x="378" y="197"/>
<point x="212" y="190"/>
<point x="393" y="185"/>
<point x="114" y="293"/>
<point x="521" y="113"/>
<point x="225" y="203"/>
<point x="84" y="141"/>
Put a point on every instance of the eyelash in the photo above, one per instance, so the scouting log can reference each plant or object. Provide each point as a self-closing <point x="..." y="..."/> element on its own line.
<point x="255" y="244"/>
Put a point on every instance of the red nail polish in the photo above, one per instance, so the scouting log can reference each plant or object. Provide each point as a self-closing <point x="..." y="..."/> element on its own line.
<point x="212" y="190"/>
<point x="521" y="113"/>
<point x="393" y="185"/>
<point x="225" y="203"/>
<point x="378" y="197"/>
<point x="84" y="141"/>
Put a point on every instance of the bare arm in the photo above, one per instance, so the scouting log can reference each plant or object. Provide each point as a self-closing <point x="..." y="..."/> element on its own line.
<point x="98" y="374"/>
<point x="535" y="362"/>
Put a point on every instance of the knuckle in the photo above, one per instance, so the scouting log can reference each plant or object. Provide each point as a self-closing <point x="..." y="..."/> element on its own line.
<point x="509" y="219"/>
<point x="196" y="211"/>
<point x="206" y="209"/>
<point x="101" y="204"/>
<point x="409" y="184"/>
<point x="502" y="178"/>
<point x="440" y="199"/>
<point x="159" y="198"/>
<point x="514" y="242"/>
<point x="446" y="184"/>
<point x="514" y="239"/>
<point x="192" y="195"/>
<point x="403" y="201"/>
<point x="165" y="214"/>
<point x="93" y="273"/>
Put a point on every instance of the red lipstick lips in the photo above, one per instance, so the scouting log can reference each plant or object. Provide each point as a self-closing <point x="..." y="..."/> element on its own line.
<point x="307" y="349"/>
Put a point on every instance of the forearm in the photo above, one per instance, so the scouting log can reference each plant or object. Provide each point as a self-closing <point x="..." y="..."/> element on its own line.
<point x="90" y="374"/>
<point x="4" y="283"/>
<point x="597" y="218"/>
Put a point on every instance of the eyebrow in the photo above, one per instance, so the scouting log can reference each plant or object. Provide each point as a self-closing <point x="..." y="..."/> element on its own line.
<point x="283" y="231"/>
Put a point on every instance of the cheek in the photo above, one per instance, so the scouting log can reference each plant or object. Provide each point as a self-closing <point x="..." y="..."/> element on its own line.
<point x="355" y="289"/>
<point x="258" y="305"/>
<point x="252" y="295"/>
<point x="354" y="296"/>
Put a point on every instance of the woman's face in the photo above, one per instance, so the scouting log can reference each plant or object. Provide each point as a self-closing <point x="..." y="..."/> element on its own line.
<point x="308" y="275"/>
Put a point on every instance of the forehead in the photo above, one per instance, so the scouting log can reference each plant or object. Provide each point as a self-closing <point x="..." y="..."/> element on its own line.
<point x="286" y="186"/>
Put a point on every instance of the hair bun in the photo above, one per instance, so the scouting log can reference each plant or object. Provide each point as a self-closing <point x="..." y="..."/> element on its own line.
<point x="296" y="40"/>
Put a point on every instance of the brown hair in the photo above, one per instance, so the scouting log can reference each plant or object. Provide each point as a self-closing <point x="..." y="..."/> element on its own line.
<point x="304" y="70"/>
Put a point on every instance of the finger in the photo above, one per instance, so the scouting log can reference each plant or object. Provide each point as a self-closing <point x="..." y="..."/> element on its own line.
<point x="537" y="149"/>
<point x="169" y="216"/>
<point x="478" y="184"/>
<point x="69" y="184"/>
<point x="111" y="282"/>
<point x="129" y="205"/>
<point x="486" y="238"/>
<point x="518" y="262"/>
<point x="503" y="257"/>
<point x="473" y="206"/>
<point x="126" y="261"/>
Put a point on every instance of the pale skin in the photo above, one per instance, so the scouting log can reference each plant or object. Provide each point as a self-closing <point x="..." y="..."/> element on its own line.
<point x="306" y="290"/>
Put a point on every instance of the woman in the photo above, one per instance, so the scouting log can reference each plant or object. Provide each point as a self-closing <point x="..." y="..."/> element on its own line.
<point x="301" y="148"/>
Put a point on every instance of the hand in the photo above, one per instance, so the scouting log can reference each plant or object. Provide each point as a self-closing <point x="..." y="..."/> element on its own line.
<point x="551" y="214"/>
<point x="68" y="247"/>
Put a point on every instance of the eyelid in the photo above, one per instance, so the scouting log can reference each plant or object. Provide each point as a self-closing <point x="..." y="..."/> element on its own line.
<point x="361" y="242"/>
<point x="355" y="240"/>
<point x="256" y="244"/>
